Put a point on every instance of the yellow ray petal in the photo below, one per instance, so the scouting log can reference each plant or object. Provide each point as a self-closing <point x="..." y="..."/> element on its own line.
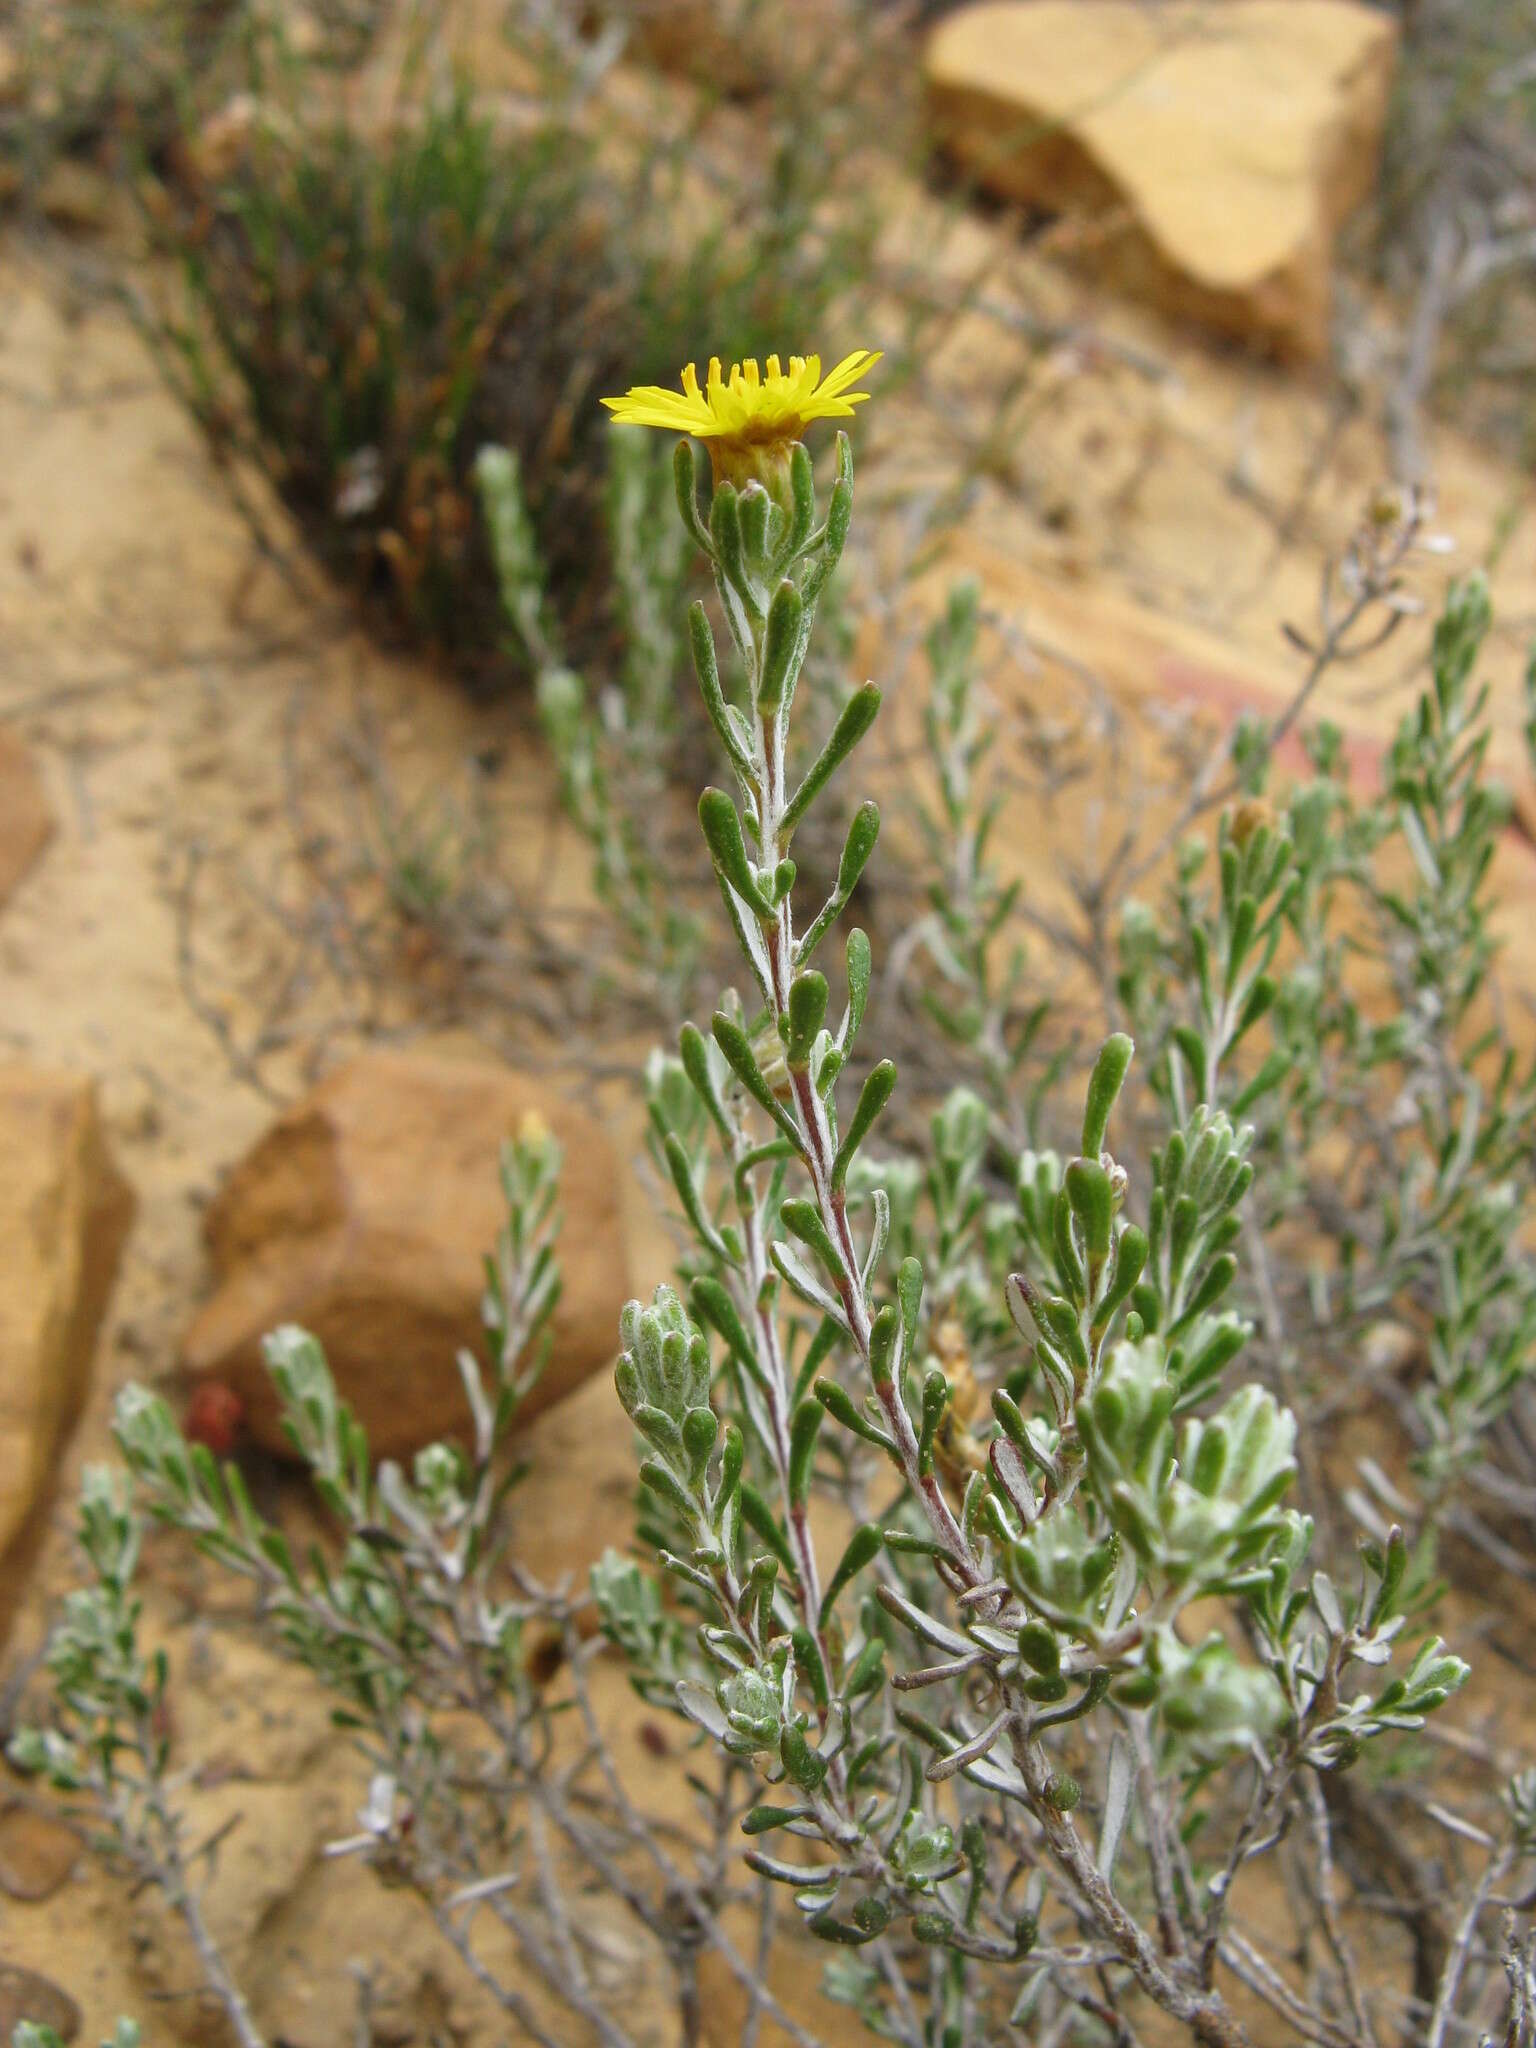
<point x="849" y="371"/>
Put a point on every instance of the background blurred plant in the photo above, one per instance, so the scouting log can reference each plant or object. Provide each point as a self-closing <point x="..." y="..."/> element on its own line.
<point x="367" y="299"/>
<point x="615" y="748"/>
<point x="97" y="75"/>
<point x="1456" y="228"/>
<point x="356" y="293"/>
<point x="977" y="994"/>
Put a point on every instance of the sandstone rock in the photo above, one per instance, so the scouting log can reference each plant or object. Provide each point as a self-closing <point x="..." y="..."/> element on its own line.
<point x="28" y="1995"/>
<point x="26" y="823"/>
<point x="364" y="1214"/>
<point x="1215" y="149"/>
<point x="64" y="1212"/>
<point x="37" y="1852"/>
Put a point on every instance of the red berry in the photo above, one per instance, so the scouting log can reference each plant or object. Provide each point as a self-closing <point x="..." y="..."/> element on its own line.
<point x="215" y="1417"/>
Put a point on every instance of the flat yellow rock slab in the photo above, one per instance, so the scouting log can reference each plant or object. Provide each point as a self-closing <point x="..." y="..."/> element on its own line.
<point x="1217" y="148"/>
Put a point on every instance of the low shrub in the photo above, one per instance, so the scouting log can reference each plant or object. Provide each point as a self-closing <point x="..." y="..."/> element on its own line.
<point x="1092" y="1613"/>
<point x="360" y="312"/>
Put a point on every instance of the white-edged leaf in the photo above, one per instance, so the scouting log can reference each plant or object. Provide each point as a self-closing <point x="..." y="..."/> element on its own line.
<point x="1119" y="1783"/>
<point x="995" y="1776"/>
<point x="1011" y="1472"/>
<point x="749" y="937"/>
<point x="479" y="1406"/>
<point x="998" y="1639"/>
<point x="1029" y="1997"/>
<point x="1419" y="846"/>
<point x="700" y="1705"/>
<point x="924" y="1625"/>
<point x="1020" y="1310"/>
<point x="806" y="1285"/>
<point x="877" y="1236"/>
<point x="1326" y="1601"/>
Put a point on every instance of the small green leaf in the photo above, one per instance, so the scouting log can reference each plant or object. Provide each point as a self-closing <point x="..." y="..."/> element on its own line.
<point x="732" y="1453"/>
<point x="840" y="1406"/>
<point x="802" y="1765"/>
<point x="803" y="1220"/>
<point x="701" y="642"/>
<point x="666" y="1485"/>
<point x="803" y="1431"/>
<point x="753" y="507"/>
<point x="1218" y="1278"/>
<point x="873" y="1096"/>
<point x="807" y="1014"/>
<point x="854" y="720"/>
<point x="1109" y="1072"/>
<point x="858" y="965"/>
<point x="762" y="1521"/>
<point x="1093" y="1204"/>
<point x="725" y="534"/>
<point x="694" y="1055"/>
<point x="936" y="1392"/>
<point x="1210" y="1459"/>
<point x="736" y="1046"/>
<point x="781" y="642"/>
<point x="863" y="1548"/>
<point x="863" y="831"/>
<point x="712" y="1304"/>
<point x="827" y="1927"/>
<point x="686" y="487"/>
<point x="1130" y="1260"/>
<point x="681" y="1169"/>
<point x="808" y="1659"/>
<point x="700" y="1429"/>
<point x="1259" y="999"/>
<point x="762" y="1818"/>
<point x="1039" y="1648"/>
<point x="1063" y="1792"/>
<point x="722" y="833"/>
<point x="872" y="1915"/>
<point x="866" y="1671"/>
<point x="882" y="1342"/>
<point x="802" y="490"/>
<point x="909" y="1292"/>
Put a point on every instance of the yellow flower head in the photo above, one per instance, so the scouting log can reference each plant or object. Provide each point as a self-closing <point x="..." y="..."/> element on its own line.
<point x="749" y="419"/>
